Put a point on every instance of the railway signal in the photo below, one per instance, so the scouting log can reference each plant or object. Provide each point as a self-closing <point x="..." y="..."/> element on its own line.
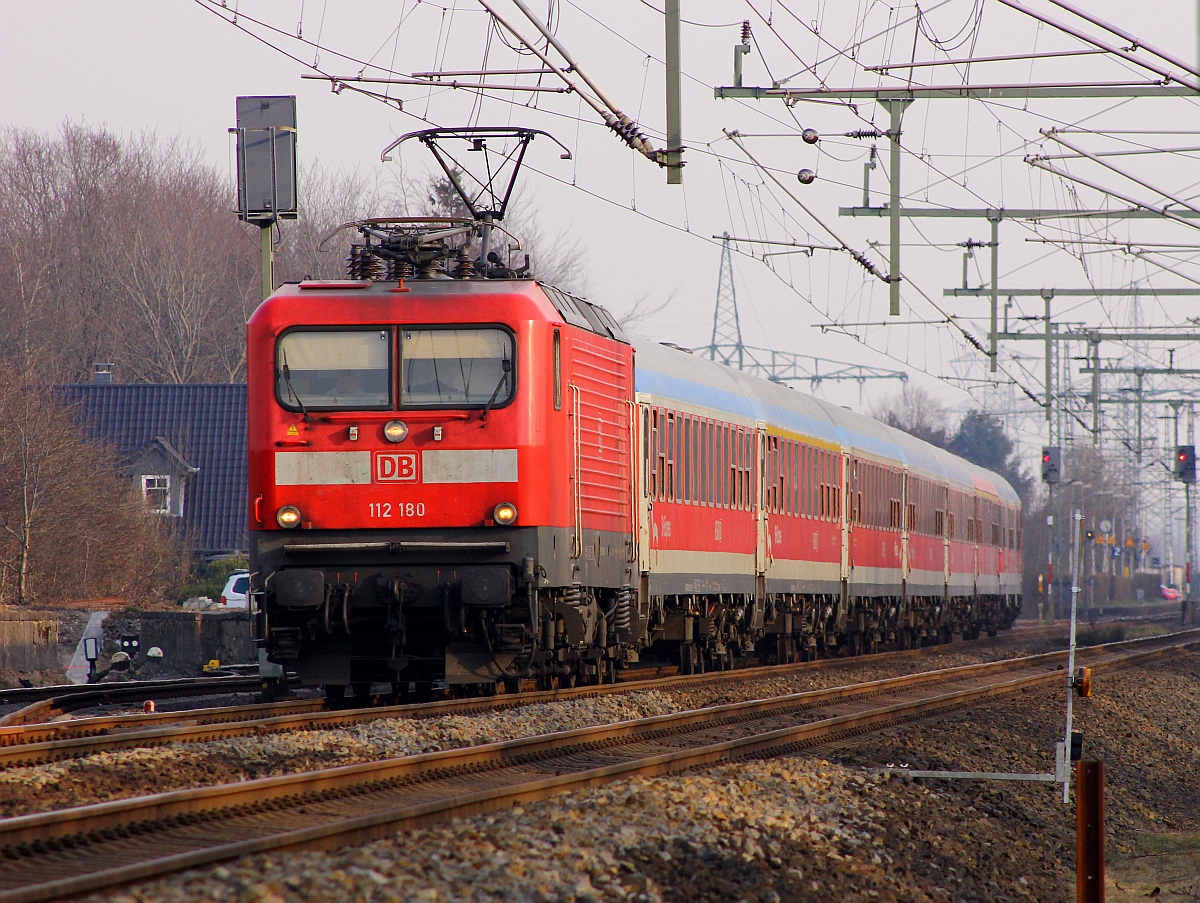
<point x="1185" y="463"/>
<point x="1051" y="464"/>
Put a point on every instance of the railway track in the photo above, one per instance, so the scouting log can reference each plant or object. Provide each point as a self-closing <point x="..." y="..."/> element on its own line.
<point x="52" y="855"/>
<point x="37" y="743"/>
<point x="44" y="703"/>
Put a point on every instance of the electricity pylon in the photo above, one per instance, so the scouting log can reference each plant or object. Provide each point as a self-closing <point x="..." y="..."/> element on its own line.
<point x="728" y="348"/>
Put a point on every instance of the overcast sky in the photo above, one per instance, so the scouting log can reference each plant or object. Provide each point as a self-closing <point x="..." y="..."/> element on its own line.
<point x="176" y="67"/>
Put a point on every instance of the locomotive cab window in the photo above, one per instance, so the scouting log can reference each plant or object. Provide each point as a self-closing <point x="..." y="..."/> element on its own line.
<point x="337" y="369"/>
<point x="456" y="367"/>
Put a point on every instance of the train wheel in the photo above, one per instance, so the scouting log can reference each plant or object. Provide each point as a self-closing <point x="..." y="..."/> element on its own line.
<point x="334" y="693"/>
<point x="362" y="692"/>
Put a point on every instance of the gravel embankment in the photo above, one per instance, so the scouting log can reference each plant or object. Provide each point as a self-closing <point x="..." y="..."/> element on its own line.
<point x="796" y="828"/>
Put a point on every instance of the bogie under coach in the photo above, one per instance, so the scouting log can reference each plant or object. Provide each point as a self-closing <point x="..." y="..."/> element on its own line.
<point x="481" y="480"/>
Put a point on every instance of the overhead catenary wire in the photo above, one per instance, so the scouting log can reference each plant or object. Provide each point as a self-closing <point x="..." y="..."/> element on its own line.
<point x="1136" y="42"/>
<point x="1161" y="211"/>
<point x="859" y="256"/>
<point x="1096" y="42"/>
<point x="1050" y="133"/>
<point x="618" y="121"/>
<point x="622" y="205"/>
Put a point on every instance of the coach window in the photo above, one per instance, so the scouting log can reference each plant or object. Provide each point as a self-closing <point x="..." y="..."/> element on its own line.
<point x="685" y="433"/>
<point x="345" y="369"/>
<point x="719" y="464"/>
<point x="456" y="367"/>
<point x="557" y="370"/>
<point x="646" y="459"/>
<point x="671" y="458"/>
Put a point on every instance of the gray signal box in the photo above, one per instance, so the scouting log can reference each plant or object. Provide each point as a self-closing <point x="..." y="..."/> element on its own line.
<point x="266" y="158"/>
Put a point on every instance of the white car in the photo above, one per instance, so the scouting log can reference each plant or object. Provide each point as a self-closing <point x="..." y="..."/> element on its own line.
<point x="236" y="588"/>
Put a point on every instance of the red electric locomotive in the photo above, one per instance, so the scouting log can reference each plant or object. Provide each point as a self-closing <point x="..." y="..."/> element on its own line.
<point x="462" y="476"/>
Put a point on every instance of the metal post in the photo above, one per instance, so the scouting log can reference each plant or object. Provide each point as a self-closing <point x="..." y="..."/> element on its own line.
<point x="1095" y="356"/>
<point x="1190" y="539"/>
<point x="896" y="109"/>
<point x="674" y="110"/>
<point x="267" y="253"/>
<point x="1089" y="832"/>
<point x="1138" y="452"/>
<point x="992" y="338"/>
<point x="1049" y="369"/>
<point x="1050" y="554"/>
<point x="1071" y="654"/>
<point x="867" y="167"/>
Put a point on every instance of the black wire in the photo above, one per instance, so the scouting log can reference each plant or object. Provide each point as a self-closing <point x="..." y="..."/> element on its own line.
<point x="689" y="21"/>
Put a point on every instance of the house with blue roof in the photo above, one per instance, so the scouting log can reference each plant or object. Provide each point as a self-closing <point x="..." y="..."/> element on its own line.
<point x="183" y="446"/>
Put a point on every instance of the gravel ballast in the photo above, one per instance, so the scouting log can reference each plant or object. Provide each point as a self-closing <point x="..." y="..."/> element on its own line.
<point x="830" y="826"/>
<point x="132" y="772"/>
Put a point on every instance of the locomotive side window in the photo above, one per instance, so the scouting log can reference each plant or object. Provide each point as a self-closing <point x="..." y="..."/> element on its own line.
<point x="348" y="369"/>
<point x="440" y="367"/>
<point x="557" y="370"/>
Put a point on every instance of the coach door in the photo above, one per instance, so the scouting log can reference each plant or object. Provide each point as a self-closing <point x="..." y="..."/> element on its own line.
<point x="762" y="546"/>
<point x="906" y="523"/>
<point x="948" y="527"/>
<point x="844" y="504"/>
<point x="646" y="487"/>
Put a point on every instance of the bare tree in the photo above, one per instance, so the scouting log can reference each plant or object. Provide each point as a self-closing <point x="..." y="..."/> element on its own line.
<point x="70" y="525"/>
<point x="917" y="412"/>
<point x="123" y="250"/>
<point x="310" y="247"/>
<point x="645" y="309"/>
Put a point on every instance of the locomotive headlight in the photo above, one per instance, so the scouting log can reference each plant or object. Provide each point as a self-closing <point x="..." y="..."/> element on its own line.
<point x="505" y="514"/>
<point x="395" y="431"/>
<point x="288" y="517"/>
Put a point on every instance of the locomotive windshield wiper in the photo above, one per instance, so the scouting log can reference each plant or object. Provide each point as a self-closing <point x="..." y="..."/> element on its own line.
<point x="287" y="381"/>
<point x="505" y="368"/>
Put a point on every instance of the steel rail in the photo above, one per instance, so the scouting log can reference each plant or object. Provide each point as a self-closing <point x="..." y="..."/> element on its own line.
<point x="68" y="852"/>
<point x="30" y="744"/>
<point x="49" y="702"/>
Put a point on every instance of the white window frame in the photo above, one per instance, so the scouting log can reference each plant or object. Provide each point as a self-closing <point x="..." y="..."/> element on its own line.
<point x="150" y="484"/>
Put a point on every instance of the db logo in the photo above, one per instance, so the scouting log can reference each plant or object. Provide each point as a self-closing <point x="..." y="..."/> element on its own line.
<point x="391" y="467"/>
